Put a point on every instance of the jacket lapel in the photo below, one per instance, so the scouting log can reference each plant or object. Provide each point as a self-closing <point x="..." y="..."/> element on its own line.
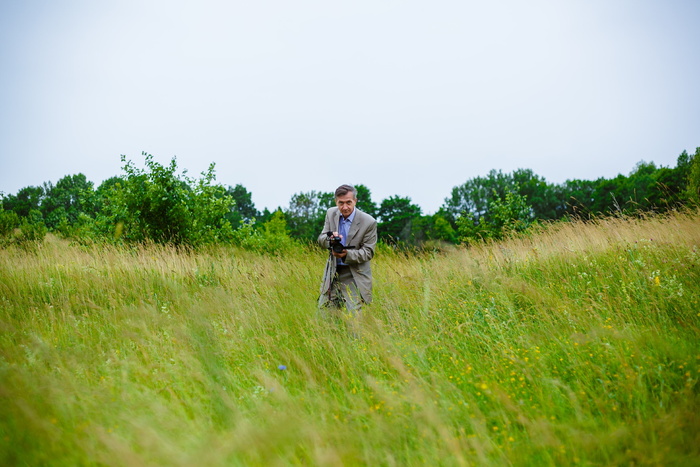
<point x="355" y="226"/>
<point x="335" y="220"/>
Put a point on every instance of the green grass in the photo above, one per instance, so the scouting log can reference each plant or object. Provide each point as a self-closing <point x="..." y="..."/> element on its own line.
<point x="579" y="345"/>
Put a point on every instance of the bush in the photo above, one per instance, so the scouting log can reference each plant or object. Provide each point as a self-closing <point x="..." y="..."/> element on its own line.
<point x="157" y="205"/>
<point x="32" y="230"/>
<point x="272" y="237"/>
<point x="508" y="216"/>
<point x="9" y="221"/>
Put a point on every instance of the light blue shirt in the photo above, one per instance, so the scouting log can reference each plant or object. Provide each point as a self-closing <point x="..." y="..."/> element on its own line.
<point x="343" y="229"/>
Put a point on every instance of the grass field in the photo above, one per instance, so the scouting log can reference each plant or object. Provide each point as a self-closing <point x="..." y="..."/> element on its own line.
<point x="579" y="345"/>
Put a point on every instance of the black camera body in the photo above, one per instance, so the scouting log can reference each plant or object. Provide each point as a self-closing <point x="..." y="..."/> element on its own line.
<point x="335" y="244"/>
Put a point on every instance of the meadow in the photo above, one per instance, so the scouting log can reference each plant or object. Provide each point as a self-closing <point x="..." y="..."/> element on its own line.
<point x="576" y="345"/>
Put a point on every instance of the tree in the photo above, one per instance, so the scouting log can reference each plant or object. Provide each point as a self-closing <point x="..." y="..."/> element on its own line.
<point x="396" y="217"/>
<point x="671" y="188"/>
<point x="541" y="196"/>
<point x="65" y="201"/>
<point x="607" y="195"/>
<point x="576" y="197"/>
<point x="270" y="237"/>
<point x="26" y="200"/>
<point x="511" y="214"/>
<point x="306" y="214"/>
<point x="157" y="204"/>
<point x="693" y="187"/>
<point x="435" y="228"/>
<point x="640" y="190"/>
<point x="476" y="195"/>
<point x="9" y="221"/>
<point x="32" y="229"/>
<point x="103" y="191"/>
<point x="364" y="200"/>
<point x="243" y="209"/>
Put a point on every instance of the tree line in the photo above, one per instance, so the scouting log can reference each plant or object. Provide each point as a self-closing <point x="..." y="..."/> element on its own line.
<point x="159" y="203"/>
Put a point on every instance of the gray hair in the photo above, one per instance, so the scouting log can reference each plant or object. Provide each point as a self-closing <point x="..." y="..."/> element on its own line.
<point x="343" y="190"/>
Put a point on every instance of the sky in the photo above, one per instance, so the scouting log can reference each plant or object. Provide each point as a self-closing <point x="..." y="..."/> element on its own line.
<point x="409" y="98"/>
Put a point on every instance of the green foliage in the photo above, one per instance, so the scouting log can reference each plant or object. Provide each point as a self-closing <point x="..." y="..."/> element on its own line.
<point x="510" y="215"/>
<point x="26" y="200"/>
<point x="474" y="196"/>
<point x="364" y="201"/>
<point x="647" y="188"/>
<point x="307" y="211"/>
<point x="306" y="214"/>
<point x="470" y="229"/>
<point x="243" y="209"/>
<point x="272" y="237"/>
<point x="83" y="230"/>
<point x="577" y="197"/>
<point x="401" y="224"/>
<point x="438" y="227"/>
<point x="397" y="219"/>
<point x="441" y="229"/>
<point x="480" y="195"/>
<point x="513" y="213"/>
<point x="156" y="204"/>
<point x="693" y="186"/>
<point x="575" y="346"/>
<point x="275" y="232"/>
<point x="103" y="192"/>
<point x="23" y="231"/>
<point x="65" y="201"/>
<point x="542" y="196"/>
<point x="32" y="229"/>
<point x="9" y="221"/>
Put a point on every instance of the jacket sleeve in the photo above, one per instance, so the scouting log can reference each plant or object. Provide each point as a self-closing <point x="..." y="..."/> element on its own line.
<point x="323" y="238"/>
<point x="365" y="250"/>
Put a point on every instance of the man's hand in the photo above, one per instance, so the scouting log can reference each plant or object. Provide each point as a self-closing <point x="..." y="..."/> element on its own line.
<point x="342" y="254"/>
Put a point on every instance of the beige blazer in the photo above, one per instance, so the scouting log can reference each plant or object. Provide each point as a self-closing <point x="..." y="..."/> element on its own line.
<point x="363" y="236"/>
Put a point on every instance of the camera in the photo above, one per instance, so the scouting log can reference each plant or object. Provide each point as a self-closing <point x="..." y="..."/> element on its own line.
<point x="335" y="244"/>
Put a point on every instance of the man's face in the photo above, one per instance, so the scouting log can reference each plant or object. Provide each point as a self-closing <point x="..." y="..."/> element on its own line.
<point x="346" y="203"/>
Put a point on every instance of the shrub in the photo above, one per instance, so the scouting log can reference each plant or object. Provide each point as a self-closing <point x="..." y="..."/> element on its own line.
<point x="271" y="237"/>
<point x="156" y="204"/>
<point x="9" y="221"/>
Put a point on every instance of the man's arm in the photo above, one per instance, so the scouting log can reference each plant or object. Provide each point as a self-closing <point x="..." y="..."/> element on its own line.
<point x="323" y="238"/>
<point x="365" y="249"/>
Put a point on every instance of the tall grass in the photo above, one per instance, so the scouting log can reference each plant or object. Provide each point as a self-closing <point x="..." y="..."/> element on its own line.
<point x="577" y="345"/>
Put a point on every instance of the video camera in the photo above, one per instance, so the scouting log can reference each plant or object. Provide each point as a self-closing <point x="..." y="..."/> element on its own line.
<point x="335" y="244"/>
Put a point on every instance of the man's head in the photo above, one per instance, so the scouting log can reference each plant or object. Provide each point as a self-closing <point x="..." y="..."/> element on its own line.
<point x="345" y="199"/>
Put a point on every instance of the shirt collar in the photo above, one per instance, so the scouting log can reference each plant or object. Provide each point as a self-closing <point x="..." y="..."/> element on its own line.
<point x="350" y="217"/>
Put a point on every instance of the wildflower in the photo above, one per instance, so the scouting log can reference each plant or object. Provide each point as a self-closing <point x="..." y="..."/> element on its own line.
<point x="282" y="367"/>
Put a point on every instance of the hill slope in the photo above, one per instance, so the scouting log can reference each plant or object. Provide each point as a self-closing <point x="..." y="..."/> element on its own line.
<point x="578" y="345"/>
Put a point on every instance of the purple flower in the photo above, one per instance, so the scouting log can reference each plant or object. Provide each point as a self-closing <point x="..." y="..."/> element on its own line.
<point x="282" y="367"/>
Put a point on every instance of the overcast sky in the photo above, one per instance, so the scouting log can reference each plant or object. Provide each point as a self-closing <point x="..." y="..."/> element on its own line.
<point x="409" y="98"/>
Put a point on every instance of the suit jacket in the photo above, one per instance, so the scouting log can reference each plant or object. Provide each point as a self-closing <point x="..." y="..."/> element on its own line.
<point x="363" y="236"/>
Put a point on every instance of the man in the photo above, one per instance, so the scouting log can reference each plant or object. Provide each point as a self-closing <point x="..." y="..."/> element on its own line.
<point x="348" y="276"/>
